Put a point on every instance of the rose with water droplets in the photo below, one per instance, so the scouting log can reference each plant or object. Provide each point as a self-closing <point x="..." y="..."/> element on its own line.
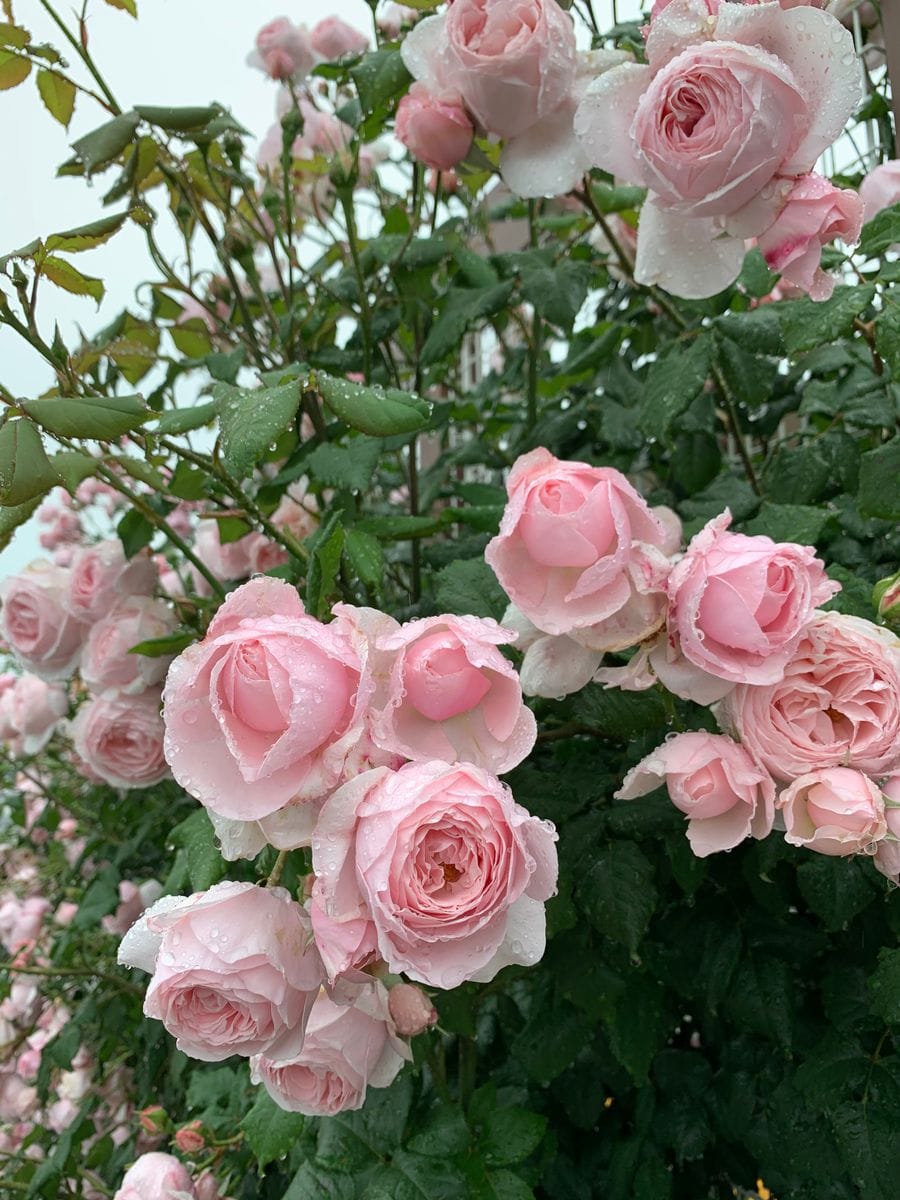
<point x="834" y="811"/>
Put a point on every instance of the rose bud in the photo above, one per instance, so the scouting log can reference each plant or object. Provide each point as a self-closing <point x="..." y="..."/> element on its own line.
<point x="887" y="600"/>
<point x="190" y="1139"/>
<point x="411" y="1010"/>
<point x="153" y="1119"/>
<point x="435" y="128"/>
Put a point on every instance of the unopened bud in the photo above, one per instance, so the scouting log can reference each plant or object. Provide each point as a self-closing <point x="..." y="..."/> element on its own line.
<point x="411" y="1010"/>
<point x="190" y="1138"/>
<point x="887" y="600"/>
<point x="153" y="1119"/>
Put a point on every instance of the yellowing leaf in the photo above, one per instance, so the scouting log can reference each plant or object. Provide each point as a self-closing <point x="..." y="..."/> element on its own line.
<point x="58" y="95"/>
<point x="13" y="69"/>
<point x="70" y="279"/>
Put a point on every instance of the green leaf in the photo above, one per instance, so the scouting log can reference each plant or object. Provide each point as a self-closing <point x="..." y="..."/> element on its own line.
<point x="14" y="35"/>
<point x="762" y="997"/>
<point x="172" y="643"/>
<point x="673" y="383"/>
<point x="184" y="420"/>
<point x="58" y="95"/>
<point x="882" y="232"/>
<point x="365" y="556"/>
<point x="836" y="889"/>
<point x="807" y="323"/>
<point x="196" y="837"/>
<point x="618" y="893"/>
<point x="399" y="529"/>
<point x="887" y="336"/>
<point x="138" y="469"/>
<point x="135" y="532"/>
<point x="70" y="279"/>
<point x="510" y="1135"/>
<point x="884" y="986"/>
<point x="377" y="411"/>
<point x="13" y="69"/>
<point x="99" y="147"/>
<point x="313" y="1183"/>
<point x="611" y="199"/>
<point x="129" y="6"/>
<point x="270" y="1131"/>
<point x="557" y="292"/>
<point x="100" y="898"/>
<point x="326" y="547"/>
<point x="619" y="714"/>
<point x="470" y="586"/>
<point x="350" y="466"/>
<point x="640" y="1027"/>
<point x="379" y="76"/>
<point x="879" y="481"/>
<point x="460" y="308"/>
<point x="12" y="518"/>
<point x="866" y="1135"/>
<point x="87" y="237"/>
<point x="178" y="120"/>
<point x="790" y="522"/>
<point x="25" y="471"/>
<point x="103" y="418"/>
<point x="251" y="421"/>
<point x="73" y="468"/>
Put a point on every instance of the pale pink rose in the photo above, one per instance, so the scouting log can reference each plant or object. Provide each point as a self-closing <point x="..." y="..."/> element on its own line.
<point x="553" y="665"/>
<point x="234" y="970"/>
<point x="30" y="713"/>
<point x="835" y="811"/>
<point x="714" y="782"/>
<point x="347" y="944"/>
<point x="133" y="900"/>
<point x="65" y="913"/>
<point x="733" y="97"/>
<point x="393" y="17"/>
<point x="323" y="132"/>
<point x="411" y="1010"/>
<point x="815" y="213"/>
<point x="107" y="666"/>
<point x="121" y="740"/>
<point x="267" y="707"/>
<point x="453" y="696"/>
<point x="451" y="871"/>
<point x="880" y="188"/>
<point x="887" y="852"/>
<point x="283" y="51"/>
<point x="296" y="513"/>
<point x="435" y="129"/>
<point x="837" y="705"/>
<point x="347" y="1049"/>
<point x="21" y="921"/>
<point x="234" y="560"/>
<point x="102" y="576"/>
<point x="18" y="1100"/>
<point x="738" y="605"/>
<point x="34" y="621"/>
<point x="156" y="1176"/>
<point x="579" y="552"/>
<point x="512" y="64"/>
<point x="332" y="38"/>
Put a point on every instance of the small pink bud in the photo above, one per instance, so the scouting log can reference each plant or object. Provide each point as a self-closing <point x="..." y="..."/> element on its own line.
<point x="887" y="598"/>
<point x="411" y="1010"/>
<point x="153" y="1119"/>
<point x="190" y="1138"/>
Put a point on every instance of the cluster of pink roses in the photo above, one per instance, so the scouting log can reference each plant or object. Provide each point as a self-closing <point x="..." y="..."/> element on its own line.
<point x="157" y="1176"/>
<point x="808" y="701"/>
<point x="288" y="52"/>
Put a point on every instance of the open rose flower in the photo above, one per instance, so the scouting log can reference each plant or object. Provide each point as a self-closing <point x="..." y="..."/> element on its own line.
<point x="714" y="782"/>
<point x="156" y="1176"/>
<point x="347" y="1049"/>
<point x="120" y="740"/>
<point x="880" y="188"/>
<point x="580" y="552"/>
<point x="835" y="811"/>
<point x="332" y="38"/>
<point x="101" y="576"/>
<point x="30" y="711"/>
<point x="34" y="622"/>
<point x="283" y="51"/>
<point x="732" y="101"/>
<point x="738" y="605"/>
<point x="267" y="707"/>
<point x="450" y="870"/>
<point x="107" y="664"/>
<point x="234" y="970"/>
<point x="453" y="696"/>
<point x="837" y="705"/>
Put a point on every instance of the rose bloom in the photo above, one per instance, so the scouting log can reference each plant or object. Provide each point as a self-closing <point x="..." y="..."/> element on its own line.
<point x="107" y="665"/>
<point x="267" y="707"/>
<point x="393" y="17"/>
<point x="156" y="1176"/>
<point x="228" y="561"/>
<point x="347" y="945"/>
<point x="450" y="870"/>
<point x="283" y="51"/>
<point x="714" y="782"/>
<point x="580" y="552"/>
<point x="234" y="970"/>
<point x="513" y="64"/>
<point x="133" y="900"/>
<point x="553" y="665"/>
<point x="434" y="128"/>
<point x="738" y="605"/>
<point x="814" y="214"/>
<point x="452" y="695"/>
<point x="102" y="576"/>
<point x="21" y="921"/>
<point x="733" y="96"/>
<point x="30" y="712"/>
<point x="347" y="1049"/>
<point x="34" y="622"/>
<point x="880" y="188"/>
<point x="835" y="811"/>
<point x="837" y="705"/>
<point x="332" y="38"/>
<point x="121" y="740"/>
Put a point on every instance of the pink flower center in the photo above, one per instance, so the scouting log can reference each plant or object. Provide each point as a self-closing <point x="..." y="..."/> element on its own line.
<point x="440" y="681"/>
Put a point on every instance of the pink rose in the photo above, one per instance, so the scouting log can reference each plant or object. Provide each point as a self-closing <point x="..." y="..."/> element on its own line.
<point x="332" y="38"/>
<point x="190" y="1138"/>
<point x="102" y="576"/>
<point x="450" y="870"/>
<point x="121" y="740"/>
<point x="156" y="1176"/>
<point x="435" y="129"/>
<point x="234" y="970"/>
<point x="267" y="707"/>
<point x="107" y="665"/>
<point x="731" y="100"/>
<point x="21" y="921"/>
<point x="347" y="1049"/>
<point x="393" y="17"/>
<point x="880" y="188"/>
<point x="834" y="811"/>
<point x="512" y="64"/>
<point x="714" y="782"/>
<point x="815" y="213"/>
<point x="347" y="944"/>
<point x="234" y="560"/>
<point x="837" y="705"/>
<point x="887" y="852"/>
<point x="738" y="605"/>
<point x="411" y="1010"/>
<point x="133" y="900"/>
<point x="579" y="552"/>
<point x="34" y="622"/>
<point x="453" y="696"/>
<point x="30" y="712"/>
<point x="283" y="51"/>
